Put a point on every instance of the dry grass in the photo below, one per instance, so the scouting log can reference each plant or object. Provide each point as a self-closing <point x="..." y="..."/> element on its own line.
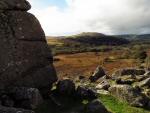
<point x="85" y="63"/>
<point x="54" y="41"/>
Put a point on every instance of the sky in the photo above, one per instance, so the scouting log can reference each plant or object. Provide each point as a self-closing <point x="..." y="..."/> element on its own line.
<point x="67" y="17"/>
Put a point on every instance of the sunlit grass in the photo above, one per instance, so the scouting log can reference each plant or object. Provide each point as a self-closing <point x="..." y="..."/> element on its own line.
<point x="115" y="106"/>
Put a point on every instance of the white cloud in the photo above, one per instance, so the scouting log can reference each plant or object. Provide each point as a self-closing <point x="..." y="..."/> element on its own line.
<point x="105" y="16"/>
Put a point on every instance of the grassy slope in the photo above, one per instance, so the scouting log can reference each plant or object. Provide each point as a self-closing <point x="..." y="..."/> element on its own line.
<point x="116" y="106"/>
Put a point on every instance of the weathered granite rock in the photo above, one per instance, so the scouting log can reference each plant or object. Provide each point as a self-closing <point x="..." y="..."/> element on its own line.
<point x="125" y="81"/>
<point x="14" y="110"/>
<point x="28" y="98"/>
<point x="7" y="101"/>
<point x="103" y="85"/>
<point x="85" y="93"/>
<point x="145" y="83"/>
<point x="129" y="94"/>
<point x="14" y="5"/>
<point x="66" y="87"/>
<point x="128" y="71"/>
<point x="25" y="59"/>
<point x="99" y="72"/>
<point x="96" y="107"/>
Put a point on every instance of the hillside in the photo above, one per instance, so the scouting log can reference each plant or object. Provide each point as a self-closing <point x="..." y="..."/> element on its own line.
<point x="84" y="42"/>
<point x="97" y="39"/>
<point x="144" y="37"/>
<point x="92" y="38"/>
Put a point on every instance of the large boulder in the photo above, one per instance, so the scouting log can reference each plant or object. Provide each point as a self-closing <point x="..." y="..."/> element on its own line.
<point x="129" y="94"/>
<point x="99" y="72"/>
<point x="14" y="5"/>
<point x="25" y="59"/>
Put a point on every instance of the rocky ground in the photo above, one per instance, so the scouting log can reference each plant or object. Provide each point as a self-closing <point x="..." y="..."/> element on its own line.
<point x="130" y="85"/>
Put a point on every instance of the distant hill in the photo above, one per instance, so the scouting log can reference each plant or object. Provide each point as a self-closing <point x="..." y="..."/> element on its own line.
<point x="135" y="37"/>
<point x="89" y="38"/>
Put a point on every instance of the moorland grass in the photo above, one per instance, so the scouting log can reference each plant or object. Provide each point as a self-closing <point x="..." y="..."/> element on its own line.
<point x="116" y="106"/>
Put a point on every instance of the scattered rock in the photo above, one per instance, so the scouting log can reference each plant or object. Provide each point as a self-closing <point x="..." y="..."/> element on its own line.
<point x="129" y="94"/>
<point x="103" y="92"/>
<point x="103" y="85"/>
<point x="96" y="107"/>
<point x="145" y="83"/>
<point x="128" y="81"/>
<point x="85" y="93"/>
<point x="128" y="71"/>
<point x="147" y="92"/>
<point x="99" y="72"/>
<point x="66" y="87"/>
<point x="81" y="77"/>
<point x="147" y="73"/>
<point x="140" y="101"/>
<point x="142" y="77"/>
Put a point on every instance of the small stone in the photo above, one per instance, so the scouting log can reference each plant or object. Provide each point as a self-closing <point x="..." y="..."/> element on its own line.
<point x="103" y="85"/>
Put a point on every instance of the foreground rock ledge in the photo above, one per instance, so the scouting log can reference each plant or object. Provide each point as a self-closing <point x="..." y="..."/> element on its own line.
<point x="13" y="110"/>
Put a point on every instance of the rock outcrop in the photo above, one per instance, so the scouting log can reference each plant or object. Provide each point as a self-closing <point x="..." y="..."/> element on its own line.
<point x="129" y="71"/>
<point x="14" y="5"/>
<point x="29" y="98"/>
<point x="96" y="107"/>
<point x="99" y="72"/>
<point x="25" y="59"/>
<point x="66" y="87"/>
<point x="129" y="94"/>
